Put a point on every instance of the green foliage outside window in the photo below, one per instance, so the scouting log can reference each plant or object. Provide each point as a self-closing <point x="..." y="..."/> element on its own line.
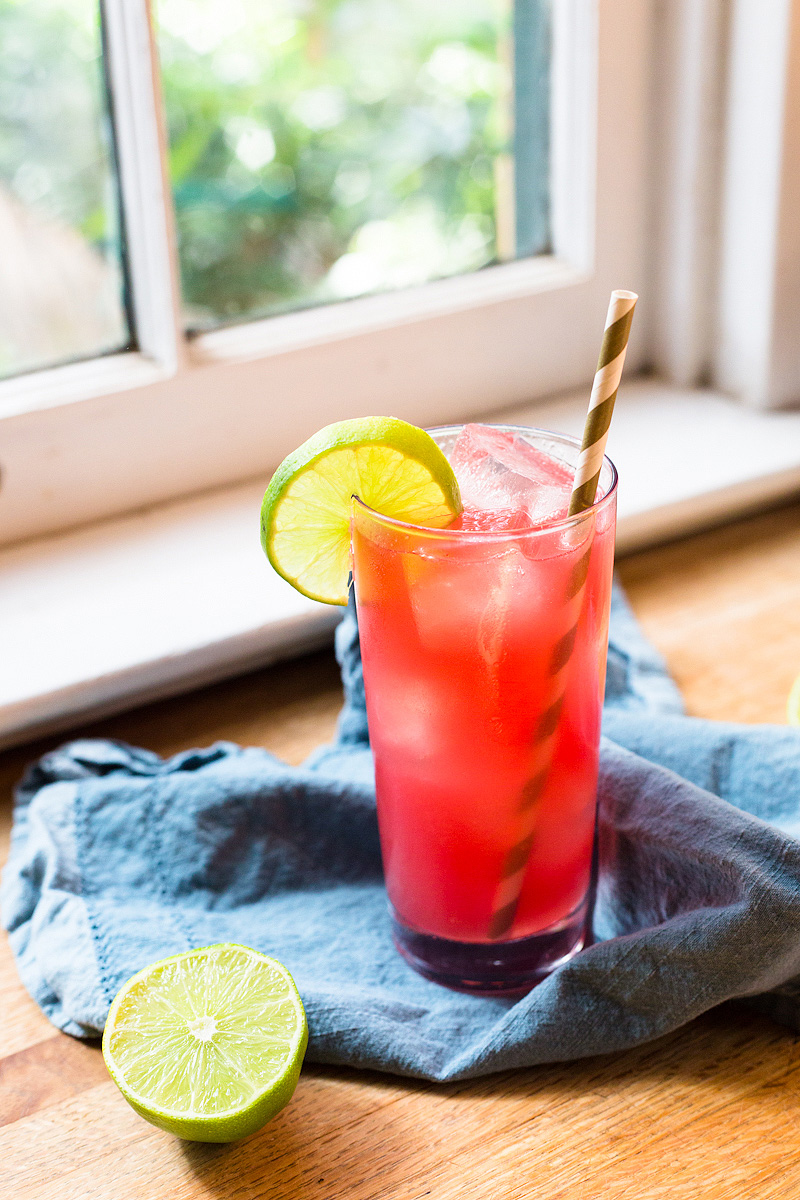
<point x="325" y="149"/>
<point x="318" y="150"/>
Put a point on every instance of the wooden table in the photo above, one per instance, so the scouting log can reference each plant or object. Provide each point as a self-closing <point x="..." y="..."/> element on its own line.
<point x="712" y="1110"/>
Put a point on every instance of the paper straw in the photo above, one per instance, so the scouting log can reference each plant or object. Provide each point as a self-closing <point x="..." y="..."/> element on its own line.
<point x="504" y="905"/>
<point x="587" y="474"/>
<point x="601" y="403"/>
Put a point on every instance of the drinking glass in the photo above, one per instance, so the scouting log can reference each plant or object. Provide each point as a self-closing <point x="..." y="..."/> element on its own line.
<point x="484" y="666"/>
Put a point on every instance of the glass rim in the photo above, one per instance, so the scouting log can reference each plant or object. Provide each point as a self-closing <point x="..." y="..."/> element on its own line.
<point x="496" y="535"/>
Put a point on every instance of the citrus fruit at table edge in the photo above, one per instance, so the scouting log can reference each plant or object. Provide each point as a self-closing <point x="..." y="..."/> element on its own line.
<point x="393" y="467"/>
<point x="793" y="704"/>
<point x="207" y="1044"/>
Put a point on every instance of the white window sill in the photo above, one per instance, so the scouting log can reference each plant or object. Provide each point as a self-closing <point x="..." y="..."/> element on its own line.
<point x="135" y="608"/>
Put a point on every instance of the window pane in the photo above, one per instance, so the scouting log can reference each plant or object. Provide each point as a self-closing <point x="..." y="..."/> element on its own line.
<point x="61" y="275"/>
<point x="324" y="149"/>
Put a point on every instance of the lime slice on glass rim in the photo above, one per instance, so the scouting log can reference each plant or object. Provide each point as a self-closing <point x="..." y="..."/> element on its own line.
<point x="208" y="1044"/>
<point x="393" y="467"/>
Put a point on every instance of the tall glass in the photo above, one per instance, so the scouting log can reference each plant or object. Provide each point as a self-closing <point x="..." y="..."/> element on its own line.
<point x="484" y="667"/>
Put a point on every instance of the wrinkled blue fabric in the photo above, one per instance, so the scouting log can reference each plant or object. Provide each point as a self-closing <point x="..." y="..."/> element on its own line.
<point x="119" y="858"/>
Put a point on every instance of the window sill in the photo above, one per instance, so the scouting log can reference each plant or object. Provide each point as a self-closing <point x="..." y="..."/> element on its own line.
<point x="158" y="602"/>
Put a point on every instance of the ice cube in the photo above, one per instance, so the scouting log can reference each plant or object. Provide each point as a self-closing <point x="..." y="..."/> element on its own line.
<point x="452" y="594"/>
<point x="500" y="473"/>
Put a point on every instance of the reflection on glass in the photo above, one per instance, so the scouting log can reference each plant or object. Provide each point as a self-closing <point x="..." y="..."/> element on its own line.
<point x="325" y="149"/>
<point x="61" y="274"/>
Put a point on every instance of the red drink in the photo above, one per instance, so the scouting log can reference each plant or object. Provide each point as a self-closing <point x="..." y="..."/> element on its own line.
<point x="484" y="663"/>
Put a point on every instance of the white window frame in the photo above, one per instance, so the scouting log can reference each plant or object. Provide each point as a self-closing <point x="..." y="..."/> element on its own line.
<point x="184" y="414"/>
<point x="726" y="180"/>
<point x="757" y="347"/>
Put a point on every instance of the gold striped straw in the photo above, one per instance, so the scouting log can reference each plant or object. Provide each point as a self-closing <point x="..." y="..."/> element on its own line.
<point x="587" y="474"/>
<point x="601" y="403"/>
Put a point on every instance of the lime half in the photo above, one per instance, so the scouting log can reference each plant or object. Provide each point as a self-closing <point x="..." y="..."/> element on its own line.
<point x="793" y="704"/>
<point x="395" y="468"/>
<point x="207" y="1045"/>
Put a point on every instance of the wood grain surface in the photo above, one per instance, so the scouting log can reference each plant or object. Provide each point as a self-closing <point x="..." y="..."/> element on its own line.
<point x="711" y="1110"/>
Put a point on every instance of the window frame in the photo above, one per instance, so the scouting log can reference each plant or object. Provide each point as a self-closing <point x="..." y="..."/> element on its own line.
<point x="756" y="351"/>
<point x="726" y="181"/>
<point x="183" y="414"/>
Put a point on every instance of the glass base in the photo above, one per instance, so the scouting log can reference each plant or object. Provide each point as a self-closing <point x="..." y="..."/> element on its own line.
<point x="493" y="968"/>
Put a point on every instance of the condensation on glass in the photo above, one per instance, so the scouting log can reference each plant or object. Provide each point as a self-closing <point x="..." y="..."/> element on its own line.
<point x="327" y="149"/>
<point x="62" y="279"/>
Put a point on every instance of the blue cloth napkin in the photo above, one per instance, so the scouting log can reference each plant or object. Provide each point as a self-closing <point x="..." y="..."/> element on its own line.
<point x="119" y="858"/>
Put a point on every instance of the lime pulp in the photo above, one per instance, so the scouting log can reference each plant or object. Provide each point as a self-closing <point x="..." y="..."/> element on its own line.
<point x="393" y="467"/>
<point x="208" y="1044"/>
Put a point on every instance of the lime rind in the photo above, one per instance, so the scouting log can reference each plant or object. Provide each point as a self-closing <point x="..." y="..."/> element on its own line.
<point x="793" y="703"/>
<point x="393" y="467"/>
<point x="208" y="1044"/>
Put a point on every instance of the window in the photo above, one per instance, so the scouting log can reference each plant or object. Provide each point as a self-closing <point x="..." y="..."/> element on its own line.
<point x="327" y="151"/>
<point x="62" y="277"/>
<point x="284" y="268"/>
<point x="191" y="409"/>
